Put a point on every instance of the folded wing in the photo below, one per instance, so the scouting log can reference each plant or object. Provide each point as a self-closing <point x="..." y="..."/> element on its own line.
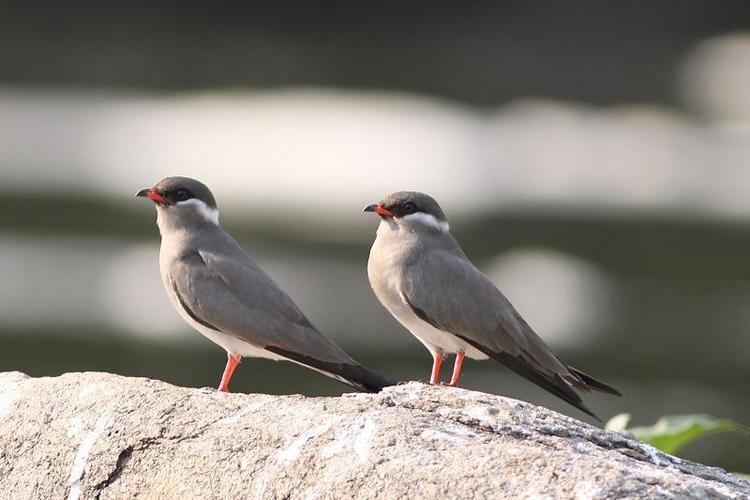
<point x="447" y="291"/>
<point x="234" y="296"/>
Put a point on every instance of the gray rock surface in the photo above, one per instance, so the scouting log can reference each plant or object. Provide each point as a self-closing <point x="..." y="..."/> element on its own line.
<point x="97" y="435"/>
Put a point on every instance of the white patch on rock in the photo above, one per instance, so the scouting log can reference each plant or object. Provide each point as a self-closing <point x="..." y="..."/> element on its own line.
<point x="8" y="397"/>
<point x="89" y="390"/>
<point x="400" y="394"/>
<point x="652" y="453"/>
<point x="586" y="489"/>
<point x="433" y="435"/>
<point x="363" y="439"/>
<point x="76" y="426"/>
<point x="262" y="487"/>
<point x="722" y="490"/>
<point x="292" y="452"/>
<point x="338" y="444"/>
<point x="82" y="455"/>
<point x="451" y="433"/>
<point x="358" y="435"/>
<point x="245" y="411"/>
<point x="480" y="413"/>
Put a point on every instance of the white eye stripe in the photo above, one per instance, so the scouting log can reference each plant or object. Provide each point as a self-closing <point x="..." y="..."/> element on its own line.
<point x="210" y="214"/>
<point x="428" y="220"/>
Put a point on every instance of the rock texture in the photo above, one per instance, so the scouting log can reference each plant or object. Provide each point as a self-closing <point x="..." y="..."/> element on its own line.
<point x="96" y="435"/>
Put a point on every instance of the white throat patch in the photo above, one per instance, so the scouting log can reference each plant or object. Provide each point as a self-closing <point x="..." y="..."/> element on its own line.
<point x="428" y="220"/>
<point x="210" y="214"/>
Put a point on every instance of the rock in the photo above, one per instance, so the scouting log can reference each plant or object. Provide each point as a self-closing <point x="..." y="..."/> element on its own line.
<point x="97" y="435"/>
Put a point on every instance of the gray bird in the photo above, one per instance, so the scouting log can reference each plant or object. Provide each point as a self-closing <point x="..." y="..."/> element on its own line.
<point x="422" y="277"/>
<point x="222" y="293"/>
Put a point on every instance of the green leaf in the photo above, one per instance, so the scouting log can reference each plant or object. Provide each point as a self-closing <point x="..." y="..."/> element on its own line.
<point x="618" y="422"/>
<point x="672" y="433"/>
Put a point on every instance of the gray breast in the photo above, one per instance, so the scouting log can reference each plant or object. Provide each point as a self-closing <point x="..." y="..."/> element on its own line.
<point x="389" y="255"/>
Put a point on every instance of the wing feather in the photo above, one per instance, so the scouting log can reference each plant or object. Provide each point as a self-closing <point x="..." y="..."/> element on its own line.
<point x="447" y="291"/>
<point x="236" y="297"/>
<point x="455" y="295"/>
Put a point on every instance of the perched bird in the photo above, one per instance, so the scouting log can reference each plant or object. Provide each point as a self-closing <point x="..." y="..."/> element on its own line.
<point x="422" y="277"/>
<point x="221" y="292"/>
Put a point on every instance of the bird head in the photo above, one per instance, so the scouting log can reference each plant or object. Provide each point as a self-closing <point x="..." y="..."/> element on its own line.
<point x="412" y="209"/>
<point x="182" y="201"/>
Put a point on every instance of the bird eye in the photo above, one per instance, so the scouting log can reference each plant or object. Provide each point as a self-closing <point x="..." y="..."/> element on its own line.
<point x="182" y="195"/>
<point x="409" y="207"/>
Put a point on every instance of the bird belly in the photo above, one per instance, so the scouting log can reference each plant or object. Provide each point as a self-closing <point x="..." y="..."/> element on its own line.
<point x="233" y="345"/>
<point x="384" y="272"/>
<point x="433" y="338"/>
<point x="229" y="343"/>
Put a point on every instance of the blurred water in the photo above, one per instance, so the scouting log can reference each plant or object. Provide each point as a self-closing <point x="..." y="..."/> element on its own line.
<point x="319" y="154"/>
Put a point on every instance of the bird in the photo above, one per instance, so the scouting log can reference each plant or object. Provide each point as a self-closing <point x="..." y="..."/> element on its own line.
<point x="420" y="274"/>
<point x="223" y="294"/>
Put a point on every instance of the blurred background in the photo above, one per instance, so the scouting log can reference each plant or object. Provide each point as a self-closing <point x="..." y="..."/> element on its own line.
<point x="593" y="157"/>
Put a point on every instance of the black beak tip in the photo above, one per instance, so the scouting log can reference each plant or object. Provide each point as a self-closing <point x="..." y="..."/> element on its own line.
<point x="142" y="193"/>
<point x="370" y="208"/>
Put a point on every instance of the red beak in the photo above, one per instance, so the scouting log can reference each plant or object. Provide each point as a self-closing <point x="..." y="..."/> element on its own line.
<point x="378" y="209"/>
<point x="383" y="212"/>
<point x="152" y="195"/>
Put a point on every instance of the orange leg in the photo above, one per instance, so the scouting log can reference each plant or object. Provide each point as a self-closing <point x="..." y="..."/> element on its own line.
<point x="457" y="369"/>
<point x="232" y="361"/>
<point x="437" y="361"/>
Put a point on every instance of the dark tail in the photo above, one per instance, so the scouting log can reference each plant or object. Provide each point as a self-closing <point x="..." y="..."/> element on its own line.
<point x="553" y="384"/>
<point x="357" y="376"/>
<point x="363" y="379"/>
<point x="525" y="366"/>
<point x="594" y="385"/>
